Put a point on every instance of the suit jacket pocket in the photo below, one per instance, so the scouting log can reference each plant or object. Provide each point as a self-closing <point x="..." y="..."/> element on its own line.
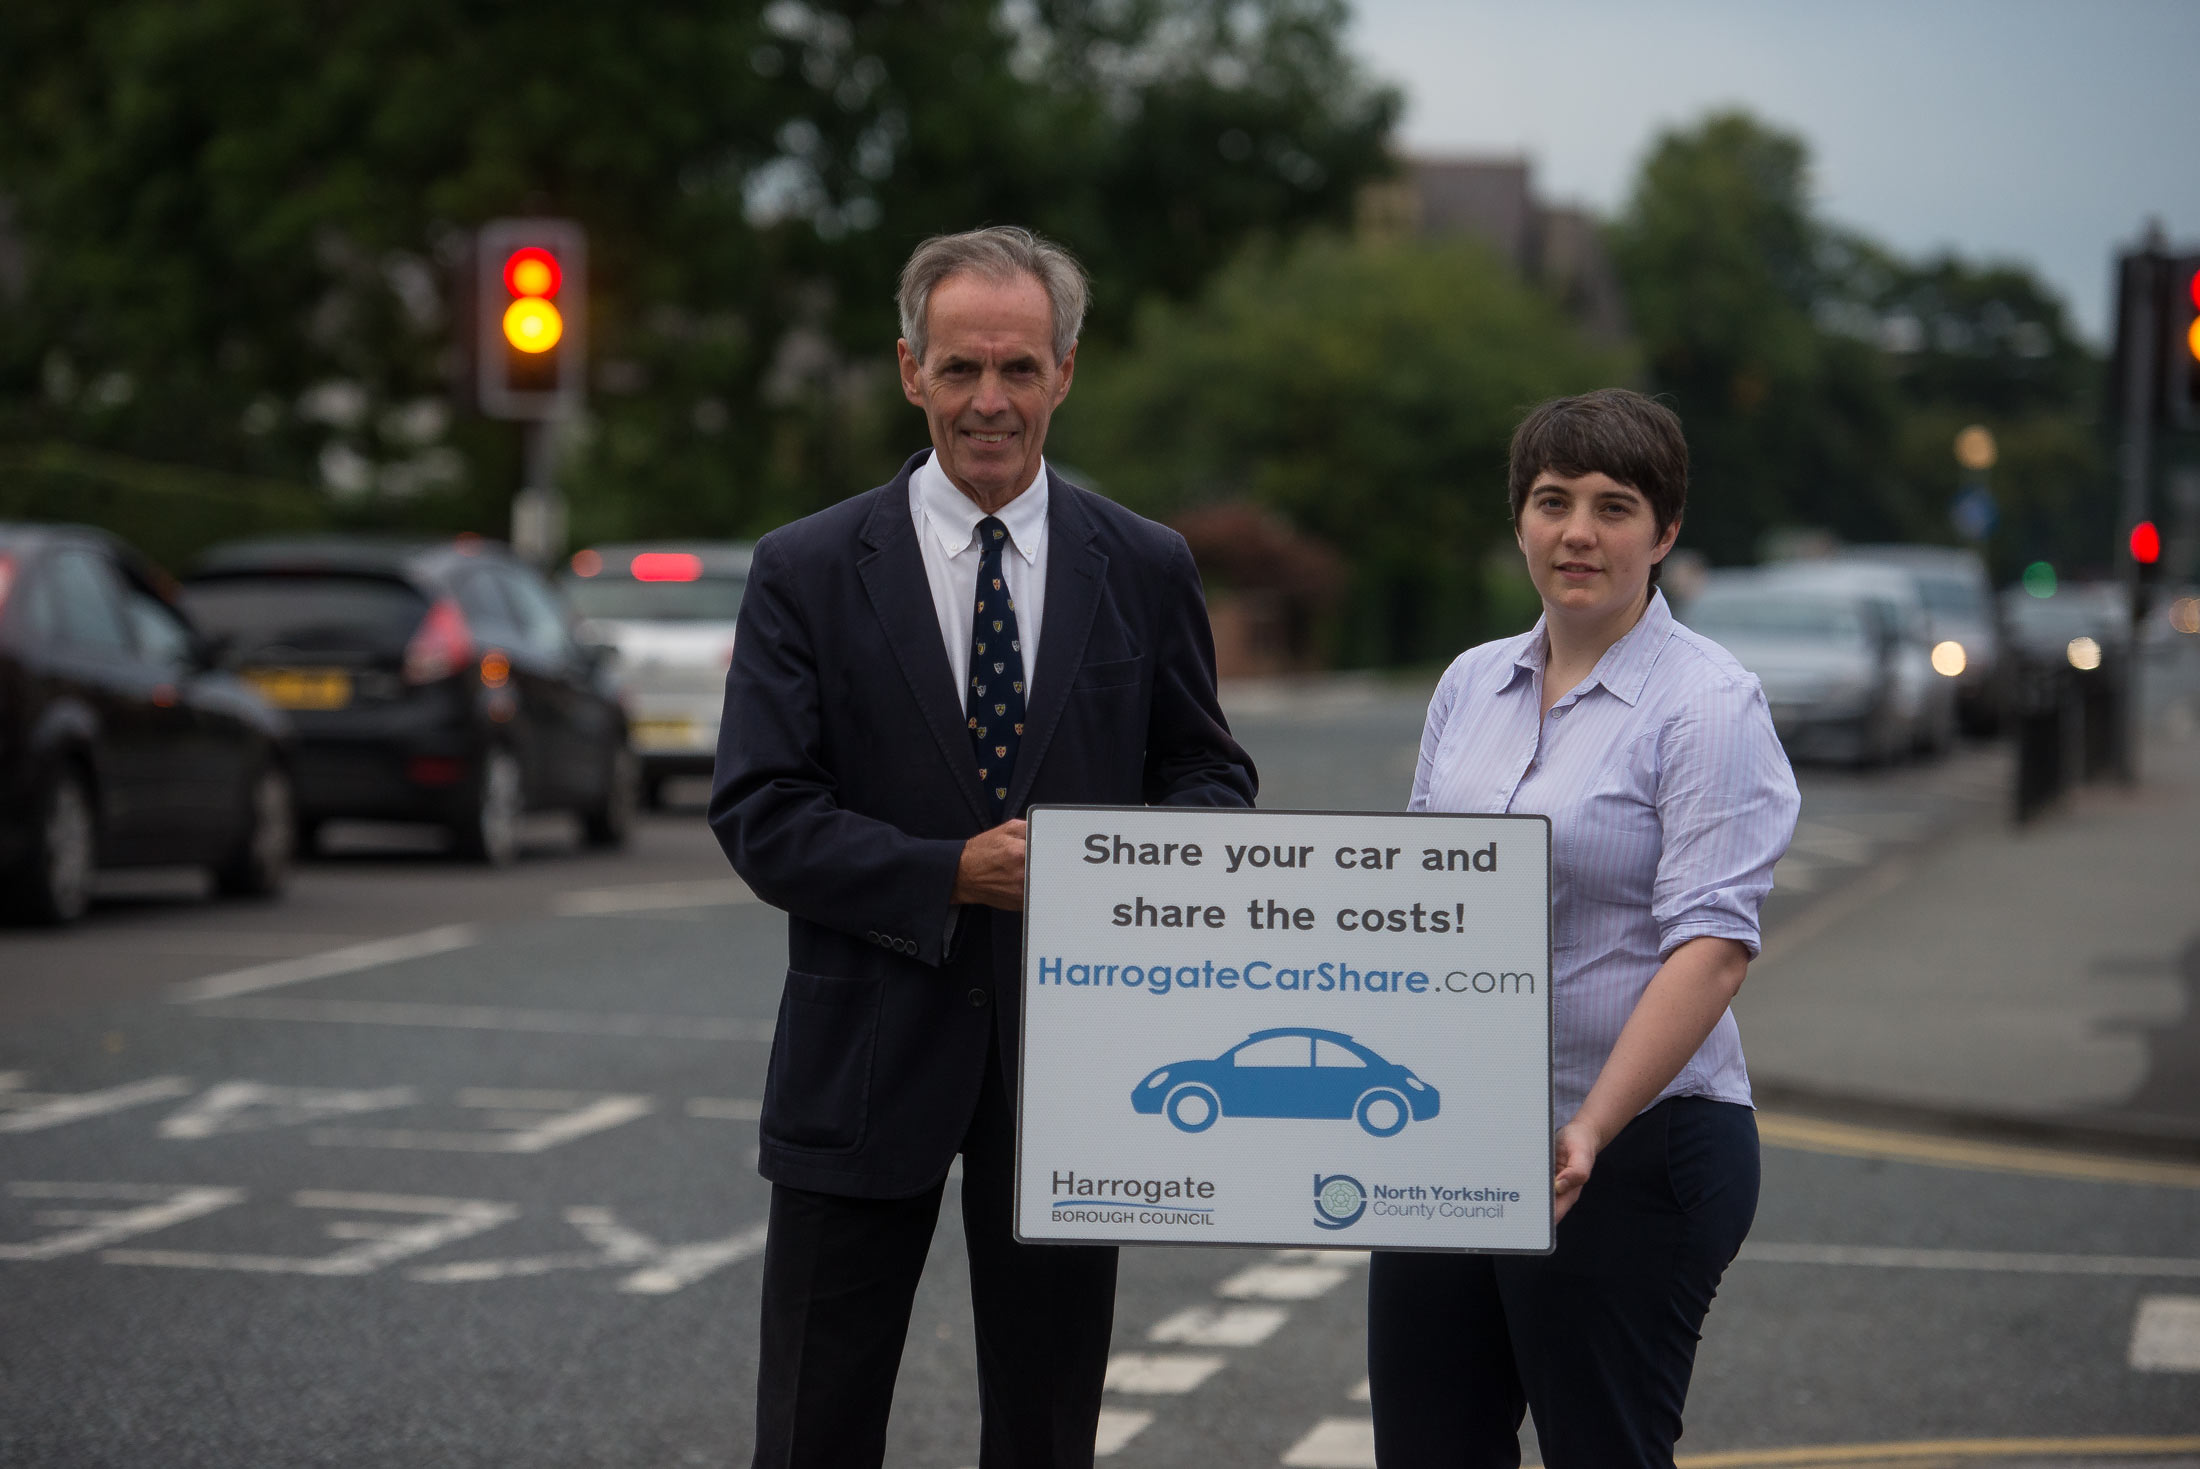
<point x="1120" y="673"/>
<point x="818" y="1092"/>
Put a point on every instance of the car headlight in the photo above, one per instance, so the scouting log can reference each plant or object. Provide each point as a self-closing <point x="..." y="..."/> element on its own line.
<point x="1949" y="659"/>
<point x="1157" y="1078"/>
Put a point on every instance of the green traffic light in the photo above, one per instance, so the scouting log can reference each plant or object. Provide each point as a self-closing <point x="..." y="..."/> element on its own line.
<point x="2039" y="579"/>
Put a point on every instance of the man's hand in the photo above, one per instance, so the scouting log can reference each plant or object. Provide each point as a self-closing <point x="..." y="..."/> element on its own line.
<point x="992" y="868"/>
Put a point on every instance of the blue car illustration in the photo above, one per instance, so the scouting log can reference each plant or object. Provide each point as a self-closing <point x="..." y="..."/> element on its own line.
<point x="1289" y="1072"/>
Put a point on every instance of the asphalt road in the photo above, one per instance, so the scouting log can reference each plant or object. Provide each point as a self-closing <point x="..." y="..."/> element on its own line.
<point x="480" y="1193"/>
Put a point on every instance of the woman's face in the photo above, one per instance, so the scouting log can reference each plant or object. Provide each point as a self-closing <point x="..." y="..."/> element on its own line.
<point x="1590" y="543"/>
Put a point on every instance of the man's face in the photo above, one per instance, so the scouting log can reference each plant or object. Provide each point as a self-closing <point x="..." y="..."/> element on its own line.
<point x="988" y="383"/>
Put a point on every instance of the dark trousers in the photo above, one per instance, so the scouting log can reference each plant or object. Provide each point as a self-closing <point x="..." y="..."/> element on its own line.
<point x="1598" y="1338"/>
<point x="839" y="1276"/>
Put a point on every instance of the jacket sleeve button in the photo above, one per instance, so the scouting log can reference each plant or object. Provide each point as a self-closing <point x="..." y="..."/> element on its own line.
<point x="977" y="999"/>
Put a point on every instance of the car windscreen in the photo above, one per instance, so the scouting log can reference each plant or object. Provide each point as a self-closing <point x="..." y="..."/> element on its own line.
<point x="311" y="613"/>
<point x="1759" y="614"/>
<point x="1952" y="596"/>
<point x="622" y="598"/>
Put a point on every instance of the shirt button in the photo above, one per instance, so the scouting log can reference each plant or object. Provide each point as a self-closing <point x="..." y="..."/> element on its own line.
<point x="977" y="999"/>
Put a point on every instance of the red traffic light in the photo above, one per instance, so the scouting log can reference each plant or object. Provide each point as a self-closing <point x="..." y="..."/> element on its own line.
<point x="532" y="271"/>
<point x="2192" y="289"/>
<point x="2146" y="543"/>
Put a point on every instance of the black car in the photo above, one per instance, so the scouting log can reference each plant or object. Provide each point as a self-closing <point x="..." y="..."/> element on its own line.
<point x="428" y="681"/>
<point x="121" y="743"/>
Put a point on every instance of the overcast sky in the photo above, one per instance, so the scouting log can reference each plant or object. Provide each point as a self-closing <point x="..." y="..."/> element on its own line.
<point x="2045" y="133"/>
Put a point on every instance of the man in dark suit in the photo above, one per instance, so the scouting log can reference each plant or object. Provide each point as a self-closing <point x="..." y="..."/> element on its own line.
<point x="914" y="667"/>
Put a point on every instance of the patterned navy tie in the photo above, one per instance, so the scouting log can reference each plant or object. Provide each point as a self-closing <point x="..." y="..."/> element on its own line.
<point x="995" y="702"/>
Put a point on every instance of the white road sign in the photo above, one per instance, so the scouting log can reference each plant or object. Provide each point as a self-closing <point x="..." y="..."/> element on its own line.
<point x="1286" y="1028"/>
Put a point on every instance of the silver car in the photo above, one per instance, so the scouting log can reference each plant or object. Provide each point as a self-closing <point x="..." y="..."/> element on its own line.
<point x="1960" y="605"/>
<point x="668" y="610"/>
<point x="1923" y="676"/>
<point x="1842" y="681"/>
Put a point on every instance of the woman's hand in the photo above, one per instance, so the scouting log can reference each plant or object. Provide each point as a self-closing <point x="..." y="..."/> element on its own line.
<point x="1577" y="1147"/>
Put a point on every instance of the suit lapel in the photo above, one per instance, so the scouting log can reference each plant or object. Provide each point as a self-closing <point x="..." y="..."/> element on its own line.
<point x="893" y="577"/>
<point x="1076" y="572"/>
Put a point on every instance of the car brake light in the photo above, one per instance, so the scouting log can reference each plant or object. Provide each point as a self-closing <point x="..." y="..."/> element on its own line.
<point x="7" y="579"/>
<point x="440" y="646"/>
<point x="666" y="566"/>
<point x="435" y="770"/>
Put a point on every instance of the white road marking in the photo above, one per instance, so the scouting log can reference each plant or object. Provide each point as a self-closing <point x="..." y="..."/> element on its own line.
<point x="1282" y="1282"/>
<point x="1831" y="844"/>
<point x="157" y="1206"/>
<point x="492" y="1017"/>
<point x="1160" y="1372"/>
<point x="379" y="1244"/>
<point x="1883" y="1258"/>
<point x="37" y="1111"/>
<point x="651" y="897"/>
<point x="726" y="1109"/>
<point x="1362" y="1392"/>
<point x="1118" y="1426"/>
<point x="251" y="1106"/>
<point x="1335" y="1443"/>
<point x="517" y="1121"/>
<point x="1344" y="1259"/>
<point x="685" y="1264"/>
<point x="2165" y="1337"/>
<point x="662" y="1269"/>
<point x="1229" y="1326"/>
<point x="327" y="965"/>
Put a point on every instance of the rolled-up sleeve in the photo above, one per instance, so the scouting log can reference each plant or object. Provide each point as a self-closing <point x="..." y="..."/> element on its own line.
<point x="1726" y="808"/>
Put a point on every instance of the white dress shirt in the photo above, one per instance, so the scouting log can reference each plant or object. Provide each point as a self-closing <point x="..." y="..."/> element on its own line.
<point x="947" y="536"/>
<point x="1670" y="800"/>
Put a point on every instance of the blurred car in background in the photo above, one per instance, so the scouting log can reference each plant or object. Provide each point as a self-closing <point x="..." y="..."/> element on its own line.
<point x="1840" y="679"/>
<point x="668" y="608"/>
<point x="122" y="744"/>
<point x="1920" y="665"/>
<point x="1960" y="608"/>
<point x="433" y="681"/>
<point x="2082" y="624"/>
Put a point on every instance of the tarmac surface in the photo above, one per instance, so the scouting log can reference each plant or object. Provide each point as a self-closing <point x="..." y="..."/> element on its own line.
<point x="427" y="1165"/>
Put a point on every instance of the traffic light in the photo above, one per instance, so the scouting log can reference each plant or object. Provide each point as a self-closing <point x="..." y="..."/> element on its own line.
<point x="2145" y="545"/>
<point x="530" y="317"/>
<point x="2181" y="379"/>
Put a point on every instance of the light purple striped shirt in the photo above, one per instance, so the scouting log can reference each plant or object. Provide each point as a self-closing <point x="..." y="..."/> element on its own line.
<point x="1669" y="797"/>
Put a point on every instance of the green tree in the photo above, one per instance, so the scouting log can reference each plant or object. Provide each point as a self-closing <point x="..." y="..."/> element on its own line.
<point x="1367" y="392"/>
<point x="241" y="221"/>
<point x="1822" y="378"/>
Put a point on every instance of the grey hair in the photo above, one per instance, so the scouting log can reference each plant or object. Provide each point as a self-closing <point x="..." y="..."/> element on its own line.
<point x="998" y="253"/>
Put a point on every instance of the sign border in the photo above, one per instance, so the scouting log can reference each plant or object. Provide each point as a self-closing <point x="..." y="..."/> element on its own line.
<point x="1023" y="1050"/>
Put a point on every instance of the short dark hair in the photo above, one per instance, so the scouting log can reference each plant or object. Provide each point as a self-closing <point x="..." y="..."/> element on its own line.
<point x="1612" y="431"/>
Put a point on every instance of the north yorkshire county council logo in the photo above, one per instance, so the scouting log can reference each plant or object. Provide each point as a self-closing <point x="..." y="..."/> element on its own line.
<point x="1339" y="1201"/>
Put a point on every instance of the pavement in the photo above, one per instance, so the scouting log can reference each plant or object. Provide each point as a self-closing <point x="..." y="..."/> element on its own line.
<point x="2042" y="977"/>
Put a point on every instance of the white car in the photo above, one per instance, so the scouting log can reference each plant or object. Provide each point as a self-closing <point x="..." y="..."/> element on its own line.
<point x="667" y="609"/>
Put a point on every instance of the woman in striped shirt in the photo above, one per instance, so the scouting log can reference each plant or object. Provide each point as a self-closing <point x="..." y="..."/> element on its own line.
<point x="1652" y="752"/>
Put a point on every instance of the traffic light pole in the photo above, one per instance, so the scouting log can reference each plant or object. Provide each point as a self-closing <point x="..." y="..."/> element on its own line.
<point x="538" y="510"/>
<point x="2139" y="295"/>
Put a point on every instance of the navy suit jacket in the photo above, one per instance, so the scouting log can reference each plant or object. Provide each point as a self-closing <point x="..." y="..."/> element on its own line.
<point x="846" y="787"/>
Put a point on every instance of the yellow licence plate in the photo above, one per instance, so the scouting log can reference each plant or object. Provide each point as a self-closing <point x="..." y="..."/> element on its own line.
<point x="302" y="688"/>
<point x="663" y="734"/>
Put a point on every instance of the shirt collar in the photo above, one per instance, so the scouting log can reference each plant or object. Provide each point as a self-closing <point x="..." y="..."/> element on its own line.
<point x="1622" y="671"/>
<point x="953" y="517"/>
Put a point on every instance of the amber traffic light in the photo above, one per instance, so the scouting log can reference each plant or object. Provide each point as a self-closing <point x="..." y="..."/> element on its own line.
<point x="530" y="281"/>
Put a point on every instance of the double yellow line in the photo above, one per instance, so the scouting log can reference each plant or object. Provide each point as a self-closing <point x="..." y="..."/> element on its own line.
<point x="1810" y="1135"/>
<point x="1923" y="1453"/>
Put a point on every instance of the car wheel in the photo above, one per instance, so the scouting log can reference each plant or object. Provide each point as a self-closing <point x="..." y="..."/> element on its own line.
<point x="653" y="793"/>
<point x="56" y="881"/>
<point x="305" y="838"/>
<point x="490" y="832"/>
<point x="610" y="824"/>
<point x="1193" y="1108"/>
<point x="1383" y="1113"/>
<point x="260" y="862"/>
